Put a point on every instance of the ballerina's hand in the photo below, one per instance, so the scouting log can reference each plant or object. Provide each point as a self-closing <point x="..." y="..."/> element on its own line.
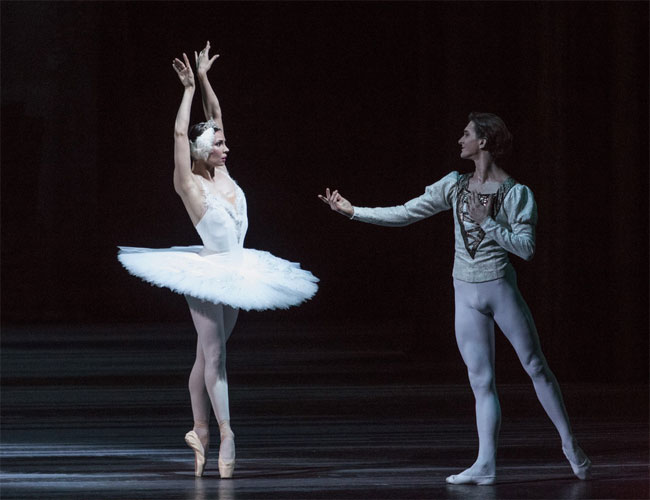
<point x="203" y="60"/>
<point x="337" y="202"/>
<point x="184" y="71"/>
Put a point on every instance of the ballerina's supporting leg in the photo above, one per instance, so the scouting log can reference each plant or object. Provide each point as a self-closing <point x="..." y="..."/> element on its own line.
<point x="208" y="381"/>
<point x="199" y="437"/>
<point x="475" y="338"/>
<point x="199" y="396"/>
<point x="516" y="321"/>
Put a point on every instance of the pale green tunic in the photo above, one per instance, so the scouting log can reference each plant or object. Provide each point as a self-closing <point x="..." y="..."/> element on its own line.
<point x="481" y="250"/>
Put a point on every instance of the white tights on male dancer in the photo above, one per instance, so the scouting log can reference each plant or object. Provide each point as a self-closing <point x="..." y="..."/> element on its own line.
<point x="208" y="383"/>
<point x="478" y="307"/>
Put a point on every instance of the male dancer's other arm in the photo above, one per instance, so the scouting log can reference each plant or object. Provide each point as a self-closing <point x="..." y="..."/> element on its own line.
<point x="521" y="209"/>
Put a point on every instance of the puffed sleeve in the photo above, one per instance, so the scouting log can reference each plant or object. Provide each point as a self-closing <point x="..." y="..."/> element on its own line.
<point x="436" y="198"/>
<point x="521" y="210"/>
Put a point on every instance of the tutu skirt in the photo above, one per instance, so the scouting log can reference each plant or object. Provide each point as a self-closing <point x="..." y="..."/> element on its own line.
<point x="246" y="279"/>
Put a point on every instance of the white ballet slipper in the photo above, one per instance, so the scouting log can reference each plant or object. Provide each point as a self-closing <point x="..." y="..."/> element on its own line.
<point x="463" y="478"/>
<point x="582" y="470"/>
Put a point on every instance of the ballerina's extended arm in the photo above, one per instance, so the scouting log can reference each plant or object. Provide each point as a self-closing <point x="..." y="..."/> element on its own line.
<point x="182" y="158"/>
<point x="211" y="106"/>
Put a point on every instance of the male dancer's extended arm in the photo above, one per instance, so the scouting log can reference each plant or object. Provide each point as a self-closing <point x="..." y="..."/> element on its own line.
<point x="436" y="198"/>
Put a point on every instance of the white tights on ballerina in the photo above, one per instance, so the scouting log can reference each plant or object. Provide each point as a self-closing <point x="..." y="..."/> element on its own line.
<point x="208" y="383"/>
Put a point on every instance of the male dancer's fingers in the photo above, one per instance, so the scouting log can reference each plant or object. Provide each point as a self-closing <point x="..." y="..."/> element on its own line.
<point x="489" y="205"/>
<point x="327" y="201"/>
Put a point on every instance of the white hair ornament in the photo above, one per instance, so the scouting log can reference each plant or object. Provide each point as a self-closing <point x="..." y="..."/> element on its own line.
<point x="202" y="147"/>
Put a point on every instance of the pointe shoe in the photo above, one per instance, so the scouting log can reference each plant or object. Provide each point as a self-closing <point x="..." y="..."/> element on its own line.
<point x="468" y="479"/>
<point x="226" y="467"/>
<point x="193" y="441"/>
<point x="583" y="470"/>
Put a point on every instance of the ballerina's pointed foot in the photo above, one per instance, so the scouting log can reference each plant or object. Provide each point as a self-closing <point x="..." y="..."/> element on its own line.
<point x="580" y="463"/>
<point x="226" y="451"/>
<point x="226" y="468"/>
<point x="464" y="478"/>
<point x="200" y="452"/>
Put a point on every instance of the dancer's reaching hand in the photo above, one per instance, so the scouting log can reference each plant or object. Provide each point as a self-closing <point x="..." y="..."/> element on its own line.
<point x="203" y="60"/>
<point x="184" y="71"/>
<point x="337" y="202"/>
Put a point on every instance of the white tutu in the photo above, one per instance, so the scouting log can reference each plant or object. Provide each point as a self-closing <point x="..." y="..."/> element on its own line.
<point x="246" y="279"/>
<point x="222" y="271"/>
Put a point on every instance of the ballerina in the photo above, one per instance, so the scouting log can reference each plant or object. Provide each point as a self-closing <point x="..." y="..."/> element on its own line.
<point x="493" y="215"/>
<point x="221" y="276"/>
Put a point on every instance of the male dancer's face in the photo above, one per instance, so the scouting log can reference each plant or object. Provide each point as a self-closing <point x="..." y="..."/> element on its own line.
<point x="469" y="143"/>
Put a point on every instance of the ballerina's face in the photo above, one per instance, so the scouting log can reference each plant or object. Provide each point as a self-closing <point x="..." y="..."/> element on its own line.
<point x="219" y="151"/>
<point x="470" y="145"/>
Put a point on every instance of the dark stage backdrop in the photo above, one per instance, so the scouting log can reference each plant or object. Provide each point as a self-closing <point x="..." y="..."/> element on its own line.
<point x="366" y="97"/>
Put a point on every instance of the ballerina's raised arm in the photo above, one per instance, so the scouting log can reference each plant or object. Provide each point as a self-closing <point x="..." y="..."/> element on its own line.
<point x="211" y="106"/>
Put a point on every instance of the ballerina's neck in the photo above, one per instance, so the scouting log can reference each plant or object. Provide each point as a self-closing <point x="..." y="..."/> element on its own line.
<point x="221" y="187"/>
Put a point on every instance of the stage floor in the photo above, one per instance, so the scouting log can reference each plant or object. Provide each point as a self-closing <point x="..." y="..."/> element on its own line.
<point x="100" y="412"/>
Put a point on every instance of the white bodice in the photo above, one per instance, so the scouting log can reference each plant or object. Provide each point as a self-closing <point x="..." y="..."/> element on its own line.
<point x="223" y="226"/>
